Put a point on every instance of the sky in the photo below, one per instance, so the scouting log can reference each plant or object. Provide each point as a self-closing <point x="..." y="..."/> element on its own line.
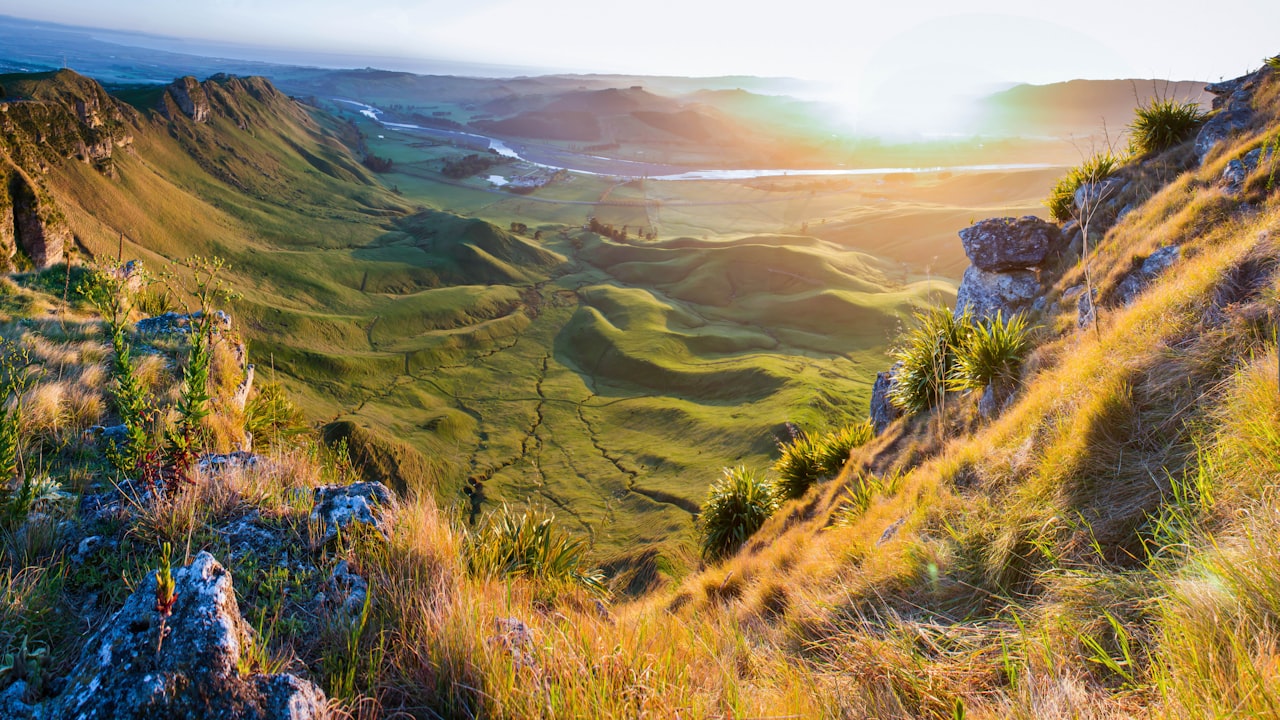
<point x="887" y="53"/>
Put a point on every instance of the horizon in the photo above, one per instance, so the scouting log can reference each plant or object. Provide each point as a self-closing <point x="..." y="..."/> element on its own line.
<point x="921" y="60"/>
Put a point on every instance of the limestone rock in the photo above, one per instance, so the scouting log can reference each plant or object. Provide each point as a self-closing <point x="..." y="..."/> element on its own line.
<point x="1086" y="311"/>
<point x="37" y="227"/>
<point x="985" y="293"/>
<point x="882" y="411"/>
<point x="337" y="507"/>
<point x="189" y="97"/>
<point x="999" y="244"/>
<point x="1239" y="169"/>
<point x="195" y="673"/>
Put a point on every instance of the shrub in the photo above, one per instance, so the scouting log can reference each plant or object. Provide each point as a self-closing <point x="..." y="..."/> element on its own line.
<point x="799" y="466"/>
<point x="991" y="353"/>
<point x="927" y="354"/>
<point x="833" y="448"/>
<point x="529" y="544"/>
<point x="271" y="418"/>
<point x="735" y="508"/>
<point x="1161" y="124"/>
<point x="1062" y="198"/>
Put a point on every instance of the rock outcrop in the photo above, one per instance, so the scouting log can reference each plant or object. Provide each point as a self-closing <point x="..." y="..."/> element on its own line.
<point x="1005" y="253"/>
<point x="126" y="671"/>
<point x="1151" y="268"/>
<point x="883" y="412"/>
<point x="33" y="225"/>
<point x="337" y="508"/>
<point x="1002" y="244"/>
<point x="188" y="97"/>
<point x="1232" y="111"/>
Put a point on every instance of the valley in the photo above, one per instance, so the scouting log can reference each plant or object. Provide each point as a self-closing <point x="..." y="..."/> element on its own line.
<point x="602" y="345"/>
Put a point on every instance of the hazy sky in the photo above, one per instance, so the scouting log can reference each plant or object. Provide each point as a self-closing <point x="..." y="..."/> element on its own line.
<point x="867" y="53"/>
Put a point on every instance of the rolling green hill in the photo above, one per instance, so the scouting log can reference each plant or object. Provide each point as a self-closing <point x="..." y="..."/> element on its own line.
<point x="610" y="380"/>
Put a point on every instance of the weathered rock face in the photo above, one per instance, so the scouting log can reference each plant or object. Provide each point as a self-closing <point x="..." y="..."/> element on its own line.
<point x="194" y="673"/>
<point x="986" y="293"/>
<point x="882" y="411"/>
<point x="338" y="507"/>
<point x="1233" y="111"/>
<point x="1239" y="169"/>
<point x="189" y="97"/>
<point x="38" y="229"/>
<point x="999" y="244"/>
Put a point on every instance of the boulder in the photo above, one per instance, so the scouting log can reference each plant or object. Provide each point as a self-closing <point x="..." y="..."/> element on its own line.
<point x="999" y="244"/>
<point x="337" y="507"/>
<point x="1153" y="267"/>
<point x="1239" y="169"/>
<point x="985" y="293"/>
<point x="125" y="671"/>
<point x="883" y="412"/>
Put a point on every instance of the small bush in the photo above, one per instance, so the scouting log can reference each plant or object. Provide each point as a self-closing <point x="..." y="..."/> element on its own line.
<point x="833" y="448"/>
<point x="799" y="466"/>
<point x="926" y="354"/>
<point x="1161" y="124"/>
<point x="271" y="418"/>
<point x="1062" y="198"/>
<point x="529" y="544"/>
<point x="735" y="508"/>
<point x="991" y="353"/>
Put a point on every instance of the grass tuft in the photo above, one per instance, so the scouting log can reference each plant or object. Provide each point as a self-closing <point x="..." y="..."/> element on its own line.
<point x="1161" y="124"/>
<point x="1062" y="198"/>
<point x="735" y="508"/>
<point x="529" y="544"/>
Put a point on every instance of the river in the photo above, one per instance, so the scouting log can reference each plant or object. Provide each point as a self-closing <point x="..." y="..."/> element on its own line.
<point x="555" y="158"/>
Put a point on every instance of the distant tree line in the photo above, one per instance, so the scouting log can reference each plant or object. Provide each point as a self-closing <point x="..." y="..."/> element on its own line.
<point x="467" y="166"/>
<point x="377" y="164"/>
<point x="618" y="234"/>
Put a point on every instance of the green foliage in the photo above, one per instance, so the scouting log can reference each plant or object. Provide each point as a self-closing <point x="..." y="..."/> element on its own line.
<point x="15" y="378"/>
<point x="991" y="352"/>
<point x="799" y="466"/>
<point x="809" y="458"/>
<point x="1272" y="62"/>
<point x="735" y="508"/>
<point x="107" y="293"/>
<point x="862" y="490"/>
<point x="833" y="448"/>
<point x="271" y="418"/>
<point x="1061" y="202"/>
<point x="529" y="544"/>
<point x="927" y="354"/>
<point x="341" y="665"/>
<point x="182" y="440"/>
<point x="1161" y="124"/>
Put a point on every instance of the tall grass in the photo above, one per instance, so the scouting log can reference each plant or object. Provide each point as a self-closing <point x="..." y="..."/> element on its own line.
<point x="531" y="545"/>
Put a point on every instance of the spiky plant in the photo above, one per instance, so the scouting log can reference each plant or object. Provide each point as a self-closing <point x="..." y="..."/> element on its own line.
<point x="530" y="544"/>
<point x="1062" y="197"/>
<point x="1163" y="123"/>
<point x="735" y="508"/>
<point x="926" y="355"/>
<point x="991" y="353"/>
<point x="834" y="447"/>
<point x="799" y="465"/>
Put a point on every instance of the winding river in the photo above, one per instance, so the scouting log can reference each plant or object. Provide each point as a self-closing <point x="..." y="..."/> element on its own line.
<point x="559" y="159"/>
